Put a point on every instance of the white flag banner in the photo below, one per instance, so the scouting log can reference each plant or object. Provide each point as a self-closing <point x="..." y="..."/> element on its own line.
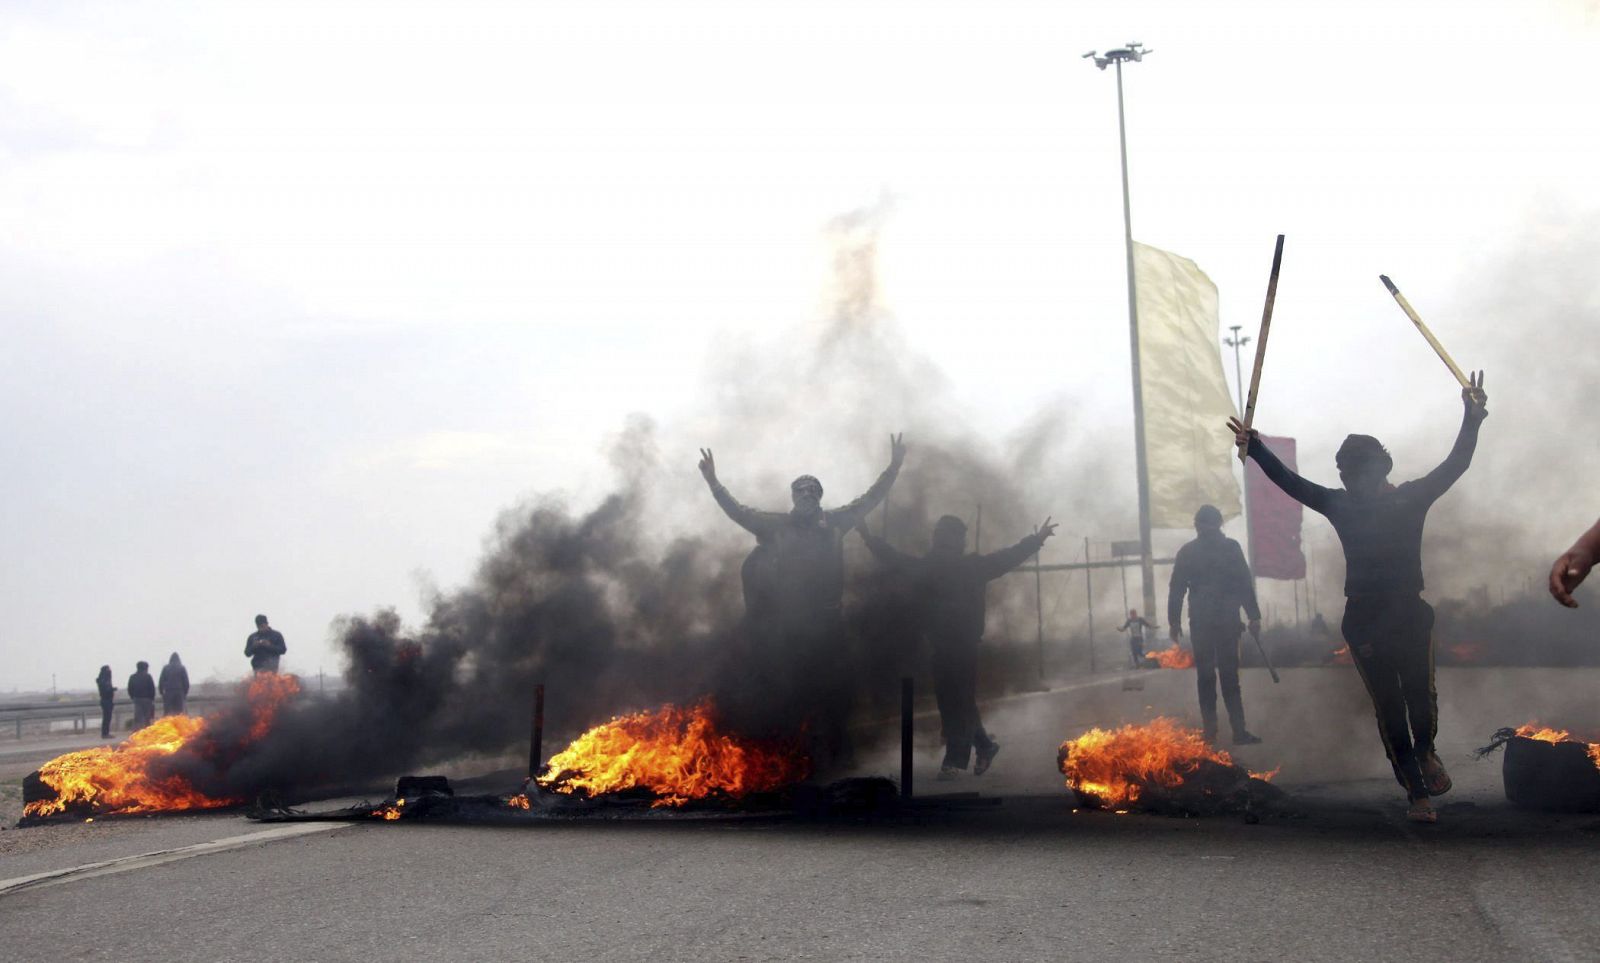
<point x="1186" y="400"/>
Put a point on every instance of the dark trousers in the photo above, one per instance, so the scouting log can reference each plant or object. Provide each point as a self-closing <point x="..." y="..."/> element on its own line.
<point x="955" y="686"/>
<point x="1136" y="646"/>
<point x="172" y="705"/>
<point x="105" y="720"/>
<point x="144" y="712"/>
<point x="1216" y="659"/>
<point x="1391" y="644"/>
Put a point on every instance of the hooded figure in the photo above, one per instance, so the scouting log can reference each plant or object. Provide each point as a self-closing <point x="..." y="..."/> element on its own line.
<point x="1212" y="571"/>
<point x="142" y="690"/>
<point x="173" y="686"/>
<point x="793" y="589"/>
<point x="949" y="590"/>
<point x="108" y="695"/>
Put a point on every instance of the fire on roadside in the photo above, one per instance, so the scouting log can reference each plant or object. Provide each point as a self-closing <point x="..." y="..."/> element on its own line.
<point x="1535" y="731"/>
<point x="1176" y="657"/>
<point x="676" y="754"/>
<point x="1115" y="768"/>
<point x="137" y="776"/>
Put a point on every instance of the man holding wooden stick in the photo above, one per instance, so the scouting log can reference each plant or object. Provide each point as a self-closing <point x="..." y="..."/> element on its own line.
<point x="1386" y="622"/>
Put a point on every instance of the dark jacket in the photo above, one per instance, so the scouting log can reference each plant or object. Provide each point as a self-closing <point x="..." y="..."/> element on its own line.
<point x="798" y="568"/>
<point x="951" y="590"/>
<point x="108" y="692"/>
<point x="1212" y="571"/>
<point x="264" y="646"/>
<point x="174" y="681"/>
<point x="1381" y="535"/>
<point x="141" y="685"/>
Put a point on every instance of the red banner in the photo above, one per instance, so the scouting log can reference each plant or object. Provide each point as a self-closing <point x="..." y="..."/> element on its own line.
<point x="1274" y="517"/>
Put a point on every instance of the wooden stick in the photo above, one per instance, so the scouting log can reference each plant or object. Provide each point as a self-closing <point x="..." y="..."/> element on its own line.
<point x="1437" y="347"/>
<point x="1261" y="344"/>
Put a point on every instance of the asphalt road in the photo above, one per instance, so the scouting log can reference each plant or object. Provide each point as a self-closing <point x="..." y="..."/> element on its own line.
<point x="1342" y="877"/>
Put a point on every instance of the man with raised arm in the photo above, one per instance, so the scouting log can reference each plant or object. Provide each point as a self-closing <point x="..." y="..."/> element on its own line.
<point x="794" y="592"/>
<point x="1386" y="622"/>
<point x="949" y="588"/>
<point x="1212" y="571"/>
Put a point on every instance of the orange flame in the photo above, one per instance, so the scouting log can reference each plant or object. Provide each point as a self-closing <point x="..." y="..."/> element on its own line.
<point x="1114" y="767"/>
<point x="391" y="812"/>
<point x="1533" y="730"/>
<point x="126" y="778"/>
<point x="676" y="754"/>
<point x="1467" y="652"/>
<point x="1341" y="656"/>
<point x="1176" y="657"/>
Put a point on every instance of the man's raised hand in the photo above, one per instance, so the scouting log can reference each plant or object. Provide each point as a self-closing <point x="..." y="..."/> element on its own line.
<point x="1241" y="434"/>
<point x="708" y="466"/>
<point x="1046" y="530"/>
<point x="1475" y="398"/>
<point x="897" y="449"/>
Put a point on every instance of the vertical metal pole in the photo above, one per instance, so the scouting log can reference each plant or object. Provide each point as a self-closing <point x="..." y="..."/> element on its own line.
<point x="1038" y="607"/>
<point x="905" y="737"/>
<point x="1088" y="588"/>
<point x="1146" y="561"/>
<point x="977" y="531"/>
<point x="536" y="743"/>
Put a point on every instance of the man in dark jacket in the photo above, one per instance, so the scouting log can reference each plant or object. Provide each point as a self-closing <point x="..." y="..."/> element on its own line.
<point x="794" y="588"/>
<point x="949" y="589"/>
<point x="1386" y="622"/>
<point x="142" y="690"/>
<point x="1212" y="571"/>
<point x="174" y="686"/>
<point x="264" y="646"/>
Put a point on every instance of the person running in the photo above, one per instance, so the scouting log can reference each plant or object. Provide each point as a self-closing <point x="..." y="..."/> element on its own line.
<point x="1387" y="624"/>
<point x="1573" y="566"/>
<point x="1135" y="627"/>
<point x="949" y="589"/>
<point x="1212" y="571"/>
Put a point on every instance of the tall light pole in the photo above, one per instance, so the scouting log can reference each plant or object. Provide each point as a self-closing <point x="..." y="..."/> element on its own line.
<point x="1134" y="52"/>
<point x="1236" y="342"/>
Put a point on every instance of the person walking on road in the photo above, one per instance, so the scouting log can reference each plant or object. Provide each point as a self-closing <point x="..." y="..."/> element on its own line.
<point x="142" y="690"/>
<point x="1212" y="571"/>
<point x="108" y="694"/>
<point x="174" y="686"/>
<point x="1135" y="627"/>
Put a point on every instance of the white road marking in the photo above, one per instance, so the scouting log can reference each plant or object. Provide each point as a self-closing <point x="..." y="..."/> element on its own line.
<point x="125" y="864"/>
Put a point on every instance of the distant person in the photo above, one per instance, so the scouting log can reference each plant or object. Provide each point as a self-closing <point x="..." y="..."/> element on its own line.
<point x="1212" y="571"/>
<point x="108" y="695"/>
<point x="142" y="690"/>
<point x="1573" y="566"/>
<point x="949" y="588"/>
<point x="264" y="647"/>
<point x="174" y="686"/>
<point x="1135" y="627"/>
<point x="794" y="592"/>
<point x="1388" y="625"/>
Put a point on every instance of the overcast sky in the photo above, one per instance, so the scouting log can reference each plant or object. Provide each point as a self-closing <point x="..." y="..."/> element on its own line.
<point x="297" y="297"/>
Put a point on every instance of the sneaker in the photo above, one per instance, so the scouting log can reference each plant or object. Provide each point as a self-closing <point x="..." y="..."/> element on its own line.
<point x="985" y="757"/>
<point x="1245" y="738"/>
<point x="948" y="774"/>
<point x="1433" y="774"/>
<point x="1422" y="811"/>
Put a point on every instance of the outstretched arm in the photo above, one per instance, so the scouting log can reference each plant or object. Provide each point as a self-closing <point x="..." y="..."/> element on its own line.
<point x="1309" y="494"/>
<point x="757" y="523"/>
<point x="1474" y="409"/>
<point x="1573" y="567"/>
<point x="882" y="550"/>
<point x="996" y="564"/>
<point x="849" y="516"/>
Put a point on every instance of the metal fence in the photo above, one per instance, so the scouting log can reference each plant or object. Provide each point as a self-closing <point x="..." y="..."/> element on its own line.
<point x="55" y="717"/>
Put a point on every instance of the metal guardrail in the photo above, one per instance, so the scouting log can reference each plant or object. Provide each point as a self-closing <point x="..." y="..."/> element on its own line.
<point x="83" y="715"/>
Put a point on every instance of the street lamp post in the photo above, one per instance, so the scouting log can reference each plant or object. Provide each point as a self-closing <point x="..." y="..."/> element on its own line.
<point x="1134" y="52"/>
